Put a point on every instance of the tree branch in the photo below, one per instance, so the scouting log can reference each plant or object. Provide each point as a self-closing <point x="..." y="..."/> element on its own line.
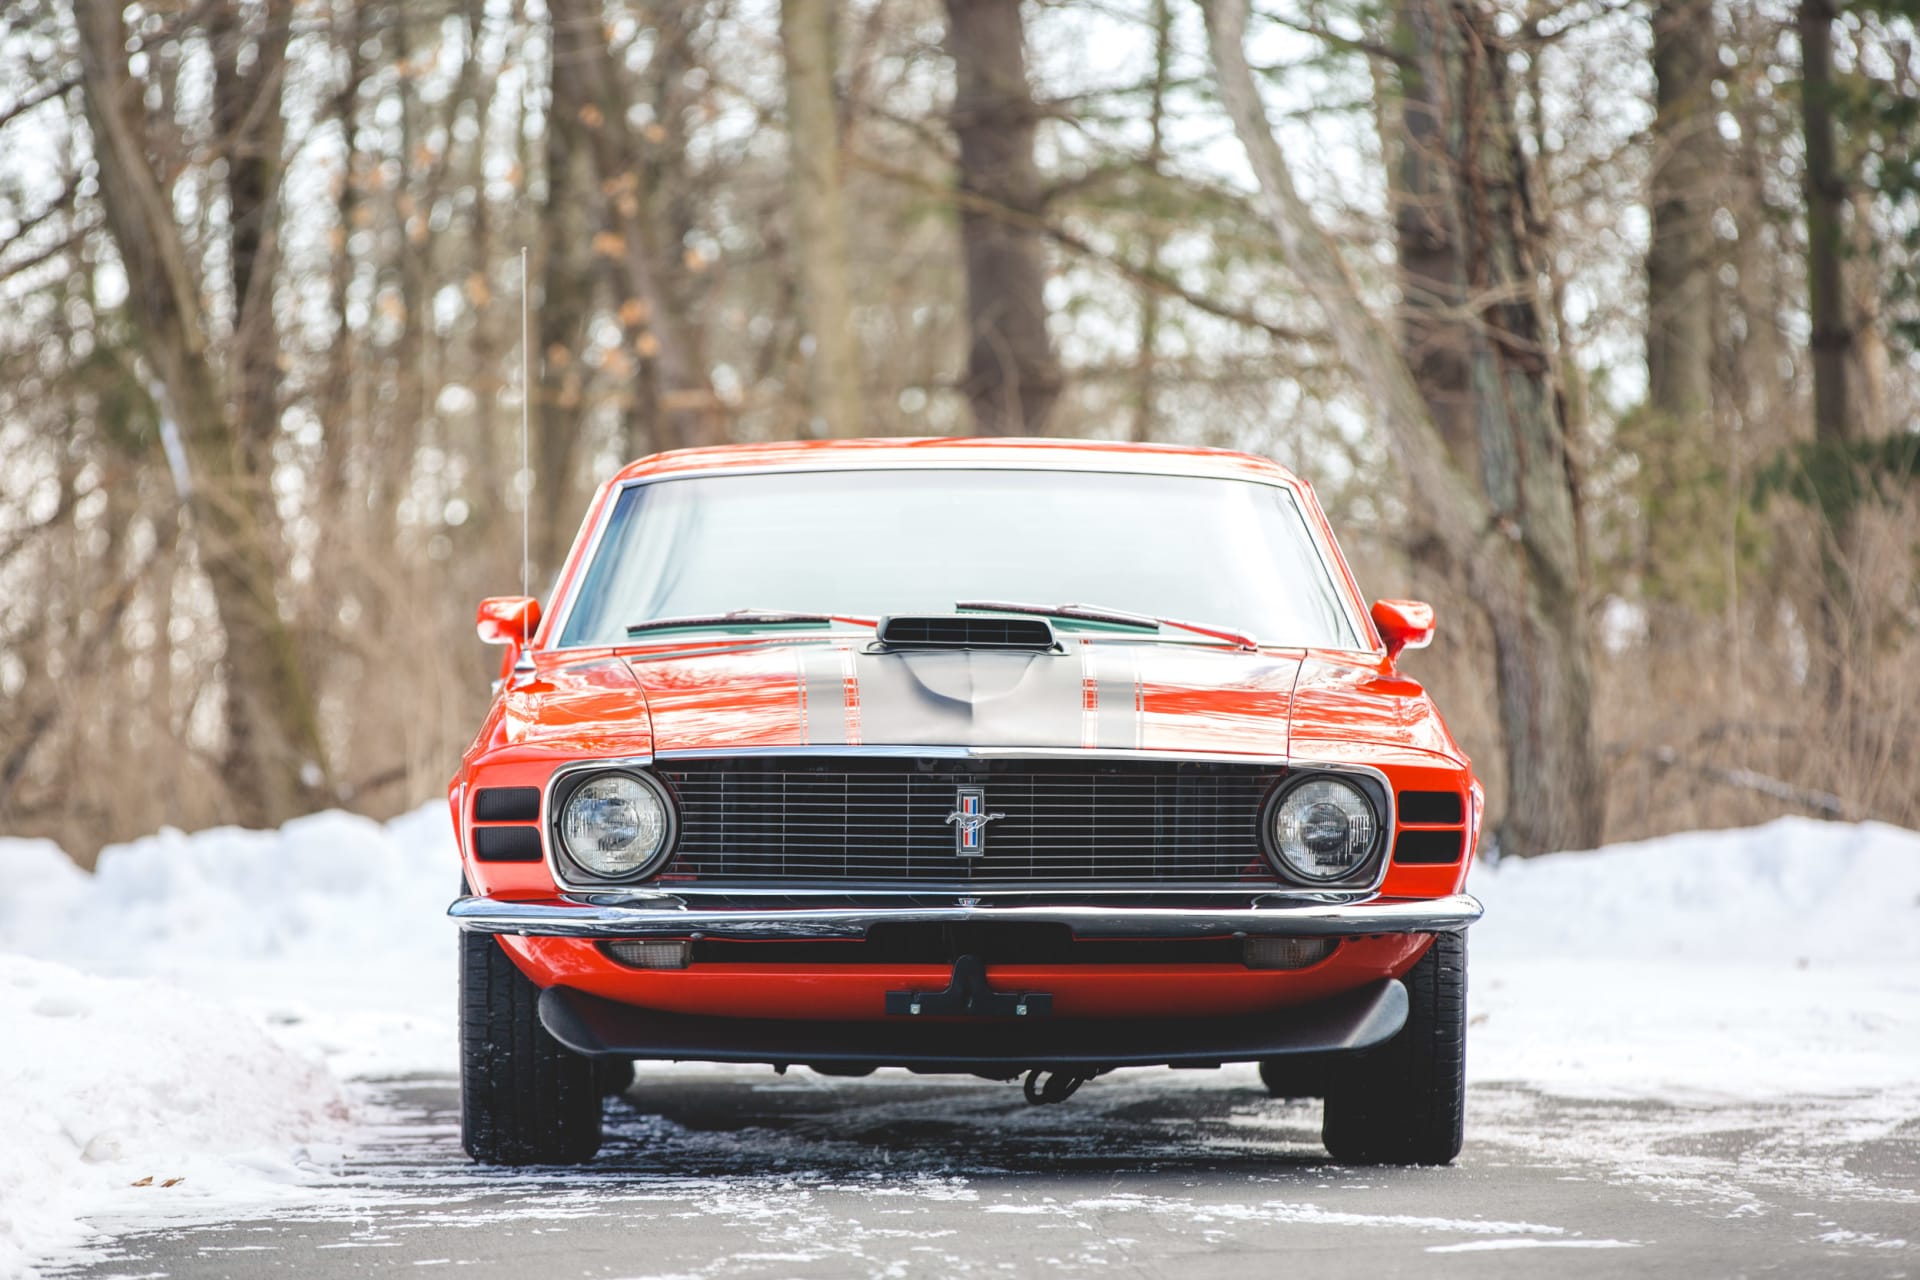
<point x="1450" y="511"/>
<point x="45" y="94"/>
<point x="1148" y="277"/>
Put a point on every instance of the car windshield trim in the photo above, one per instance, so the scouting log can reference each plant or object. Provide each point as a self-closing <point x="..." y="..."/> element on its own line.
<point x="1356" y="635"/>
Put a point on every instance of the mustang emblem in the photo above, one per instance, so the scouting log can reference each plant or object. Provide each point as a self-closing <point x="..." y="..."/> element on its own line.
<point x="970" y="819"/>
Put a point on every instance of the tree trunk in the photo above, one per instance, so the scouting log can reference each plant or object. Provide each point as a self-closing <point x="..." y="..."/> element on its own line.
<point x="337" y="400"/>
<point x="248" y="127"/>
<point x="588" y="87"/>
<point x="1686" y="55"/>
<point x="1434" y="330"/>
<point x="1678" y="483"/>
<point x="276" y="767"/>
<point x="1832" y="339"/>
<point x="819" y="217"/>
<point x="1013" y="375"/>
<point x="566" y="279"/>
<point x="1872" y="362"/>
<point x="1146" y="367"/>
<point x="1514" y="532"/>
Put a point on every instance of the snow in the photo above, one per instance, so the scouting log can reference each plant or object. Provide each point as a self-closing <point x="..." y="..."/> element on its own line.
<point x="214" y="1007"/>
<point x="331" y="929"/>
<point x="233" y="980"/>
<point x="124" y="1089"/>
<point x="1749" y="964"/>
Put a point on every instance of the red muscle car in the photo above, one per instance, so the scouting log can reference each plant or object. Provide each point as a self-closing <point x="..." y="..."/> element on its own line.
<point x="1018" y="758"/>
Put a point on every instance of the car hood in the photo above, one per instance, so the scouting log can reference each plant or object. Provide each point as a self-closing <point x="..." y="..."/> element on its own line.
<point x="1101" y="695"/>
<point x="1347" y="708"/>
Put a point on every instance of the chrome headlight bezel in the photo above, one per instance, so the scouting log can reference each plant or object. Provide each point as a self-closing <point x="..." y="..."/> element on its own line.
<point x="570" y="869"/>
<point x="1367" y="870"/>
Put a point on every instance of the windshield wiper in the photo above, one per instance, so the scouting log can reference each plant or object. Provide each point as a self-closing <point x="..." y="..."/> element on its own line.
<point x="1118" y="617"/>
<point x="747" y="618"/>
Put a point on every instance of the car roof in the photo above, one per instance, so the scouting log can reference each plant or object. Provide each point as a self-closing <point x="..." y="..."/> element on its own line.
<point x="995" y="451"/>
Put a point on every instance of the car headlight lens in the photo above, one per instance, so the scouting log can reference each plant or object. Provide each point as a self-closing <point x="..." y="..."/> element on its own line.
<point x="1323" y="829"/>
<point x="614" y="824"/>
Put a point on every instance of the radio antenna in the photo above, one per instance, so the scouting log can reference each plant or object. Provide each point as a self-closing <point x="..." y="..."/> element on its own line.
<point x="526" y="467"/>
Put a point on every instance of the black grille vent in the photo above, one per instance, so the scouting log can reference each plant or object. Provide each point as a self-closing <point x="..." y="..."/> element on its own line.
<point x="1427" y="847"/>
<point x="506" y="804"/>
<point x="962" y="632"/>
<point x="886" y="821"/>
<point x="506" y="844"/>
<point x="1430" y="806"/>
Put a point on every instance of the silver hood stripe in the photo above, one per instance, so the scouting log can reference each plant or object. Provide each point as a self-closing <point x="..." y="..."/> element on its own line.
<point x="964" y="697"/>
<point x="824" y="702"/>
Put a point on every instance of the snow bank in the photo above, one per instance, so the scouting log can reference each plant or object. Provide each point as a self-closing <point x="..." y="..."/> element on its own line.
<point x="1793" y="889"/>
<point x="1754" y="963"/>
<point x="116" y="1088"/>
<point x="232" y="980"/>
<point x="331" y="929"/>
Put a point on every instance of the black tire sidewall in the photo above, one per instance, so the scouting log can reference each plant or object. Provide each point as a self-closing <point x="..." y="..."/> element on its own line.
<point x="1404" y="1102"/>
<point x="524" y="1097"/>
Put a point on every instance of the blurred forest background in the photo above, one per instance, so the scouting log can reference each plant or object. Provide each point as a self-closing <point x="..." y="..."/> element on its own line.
<point x="1593" y="321"/>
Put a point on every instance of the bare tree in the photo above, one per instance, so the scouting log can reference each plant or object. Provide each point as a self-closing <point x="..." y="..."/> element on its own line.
<point x="1685" y="141"/>
<point x="1146" y="360"/>
<point x="1013" y="374"/>
<point x="275" y="762"/>
<point x="588" y="85"/>
<point x="1513" y="531"/>
<point x="1832" y="341"/>
<point x="1434" y="330"/>
<point x="567" y="287"/>
<point x="1826" y="194"/>
<point x="819" y="216"/>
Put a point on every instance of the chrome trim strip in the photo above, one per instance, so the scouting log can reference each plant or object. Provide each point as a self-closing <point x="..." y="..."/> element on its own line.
<point x="715" y="916"/>
<point x="929" y="752"/>
<point x="582" y="557"/>
<point x="563" y="612"/>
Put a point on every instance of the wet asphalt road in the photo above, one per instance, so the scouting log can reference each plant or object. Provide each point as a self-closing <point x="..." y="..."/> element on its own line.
<point x="722" y="1172"/>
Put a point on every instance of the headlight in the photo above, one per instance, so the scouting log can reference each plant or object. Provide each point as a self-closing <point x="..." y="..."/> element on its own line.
<point x="614" y="824"/>
<point x="1323" y="829"/>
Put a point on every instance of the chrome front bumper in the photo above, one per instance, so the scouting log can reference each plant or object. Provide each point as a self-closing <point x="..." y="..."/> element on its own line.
<point x="763" y="917"/>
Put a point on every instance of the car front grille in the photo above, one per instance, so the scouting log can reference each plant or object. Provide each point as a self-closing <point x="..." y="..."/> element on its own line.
<point x="886" y="820"/>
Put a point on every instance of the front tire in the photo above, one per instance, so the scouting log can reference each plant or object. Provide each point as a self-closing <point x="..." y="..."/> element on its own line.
<point x="1404" y="1102"/>
<point x="524" y="1097"/>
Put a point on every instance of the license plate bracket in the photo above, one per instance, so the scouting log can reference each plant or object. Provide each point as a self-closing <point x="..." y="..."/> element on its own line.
<point x="969" y="996"/>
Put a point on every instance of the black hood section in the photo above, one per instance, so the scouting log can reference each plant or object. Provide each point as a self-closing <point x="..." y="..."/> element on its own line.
<point x="965" y="631"/>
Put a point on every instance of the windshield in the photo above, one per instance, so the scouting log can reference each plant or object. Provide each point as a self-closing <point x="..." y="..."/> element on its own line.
<point x="872" y="542"/>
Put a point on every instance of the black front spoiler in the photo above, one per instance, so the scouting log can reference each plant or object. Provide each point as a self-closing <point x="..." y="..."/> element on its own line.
<point x="599" y="1027"/>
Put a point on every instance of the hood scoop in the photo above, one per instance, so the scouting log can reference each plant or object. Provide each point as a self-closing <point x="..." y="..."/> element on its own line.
<point x="966" y="631"/>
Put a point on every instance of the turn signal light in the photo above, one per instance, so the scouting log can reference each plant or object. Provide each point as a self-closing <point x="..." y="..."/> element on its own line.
<point x="1287" y="953"/>
<point x="651" y="955"/>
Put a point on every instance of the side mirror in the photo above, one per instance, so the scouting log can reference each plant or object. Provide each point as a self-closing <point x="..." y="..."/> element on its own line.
<point x="1403" y="624"/>
<point x="508" y="619"/>
<point x="511" y="621"/>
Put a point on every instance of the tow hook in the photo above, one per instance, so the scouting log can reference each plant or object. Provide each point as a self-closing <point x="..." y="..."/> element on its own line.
<point x="1043" y="1087"/>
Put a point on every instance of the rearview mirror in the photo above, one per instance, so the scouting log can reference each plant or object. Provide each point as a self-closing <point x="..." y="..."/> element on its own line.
<point x="1403" y="624"/>
<point x="508" y="619"/>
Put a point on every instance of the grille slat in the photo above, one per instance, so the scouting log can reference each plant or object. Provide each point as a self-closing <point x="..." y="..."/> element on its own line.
<point x="885" y="820"/>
